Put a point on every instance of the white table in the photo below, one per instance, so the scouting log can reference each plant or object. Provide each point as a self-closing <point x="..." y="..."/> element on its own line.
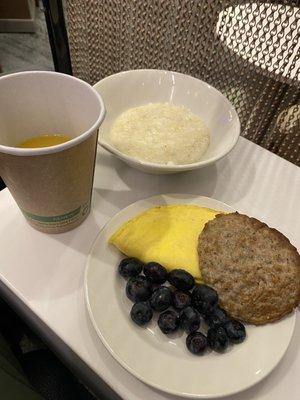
<point x="42" y="275"/>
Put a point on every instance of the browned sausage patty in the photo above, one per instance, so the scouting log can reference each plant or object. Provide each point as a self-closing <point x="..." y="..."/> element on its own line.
<point x="254" y="268"/>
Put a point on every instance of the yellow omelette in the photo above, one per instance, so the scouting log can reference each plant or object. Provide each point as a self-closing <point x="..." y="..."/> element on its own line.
<point x="165" y="234"/>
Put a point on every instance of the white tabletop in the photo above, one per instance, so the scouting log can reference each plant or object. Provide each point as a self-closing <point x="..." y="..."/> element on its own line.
<point x="45" y="272"/>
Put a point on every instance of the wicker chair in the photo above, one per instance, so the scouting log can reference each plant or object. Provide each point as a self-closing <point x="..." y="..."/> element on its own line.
<point x="249" y="50"/>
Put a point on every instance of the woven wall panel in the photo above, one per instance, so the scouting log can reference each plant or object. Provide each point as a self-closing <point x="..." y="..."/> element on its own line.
<point x="248" y="50"/>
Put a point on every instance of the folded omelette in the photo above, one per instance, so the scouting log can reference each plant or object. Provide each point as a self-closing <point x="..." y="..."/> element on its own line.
<point x="165" y="234"/>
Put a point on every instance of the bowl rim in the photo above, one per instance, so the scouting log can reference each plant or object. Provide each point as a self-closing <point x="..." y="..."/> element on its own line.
<point x="169" y="167"/>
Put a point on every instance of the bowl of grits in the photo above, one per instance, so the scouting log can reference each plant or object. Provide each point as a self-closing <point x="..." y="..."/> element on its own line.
<point x="165" y="122"/>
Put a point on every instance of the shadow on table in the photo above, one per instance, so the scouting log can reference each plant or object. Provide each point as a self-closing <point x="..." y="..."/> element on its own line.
<point x="236" y="175"/>
<point x="142" y="185"/>
<point x="222" y="181"/>
<point x="57" y="277"/>
<point x="80" y="238"/>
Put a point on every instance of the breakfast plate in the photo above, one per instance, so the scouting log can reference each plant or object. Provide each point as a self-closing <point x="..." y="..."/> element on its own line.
<point x="163" y="361"/>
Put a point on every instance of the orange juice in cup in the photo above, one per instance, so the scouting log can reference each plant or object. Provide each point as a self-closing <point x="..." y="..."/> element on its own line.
<point x="48" y="136"/>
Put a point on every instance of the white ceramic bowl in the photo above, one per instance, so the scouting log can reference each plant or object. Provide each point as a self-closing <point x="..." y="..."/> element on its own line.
<point x="139" y="87"/>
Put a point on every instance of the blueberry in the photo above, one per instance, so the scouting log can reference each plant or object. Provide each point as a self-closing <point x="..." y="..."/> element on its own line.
<point x="161" y="299"/>
<point x="204" y="298"/>
<point x="235" y="331"/>
<point x="181" y="299"/>
<point x="196" y="342"/>
<point x="181" y="279"/>
<point x="173" y="289"/>
<point x="138" y="289"/>
<point x="189" y="319"/>
<point x="156" y="286"/>
<point x="155" y="273"/>
<point x="141" y="313"/>
<point x="216" y="316"/>
<point x="168" y="322"/>
<point x="217" y="338"/>
<point x="130" y="267"/>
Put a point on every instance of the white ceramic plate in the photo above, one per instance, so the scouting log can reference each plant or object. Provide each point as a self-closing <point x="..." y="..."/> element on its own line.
<point x="128" y="89"/>
<point x="164" y="362"/>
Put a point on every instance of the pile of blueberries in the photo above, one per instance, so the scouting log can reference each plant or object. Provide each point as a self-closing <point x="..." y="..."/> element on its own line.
<point x="181" y="305"/>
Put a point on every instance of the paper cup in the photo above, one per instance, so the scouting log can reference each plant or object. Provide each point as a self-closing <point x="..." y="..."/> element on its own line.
<point x="51" y="185"/>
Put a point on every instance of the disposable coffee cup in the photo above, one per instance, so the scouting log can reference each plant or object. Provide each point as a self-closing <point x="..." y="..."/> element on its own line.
<point x="51" y="185"/>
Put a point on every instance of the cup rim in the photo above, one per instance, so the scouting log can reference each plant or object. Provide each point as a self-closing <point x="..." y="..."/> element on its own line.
<point x="18" y="151"/>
